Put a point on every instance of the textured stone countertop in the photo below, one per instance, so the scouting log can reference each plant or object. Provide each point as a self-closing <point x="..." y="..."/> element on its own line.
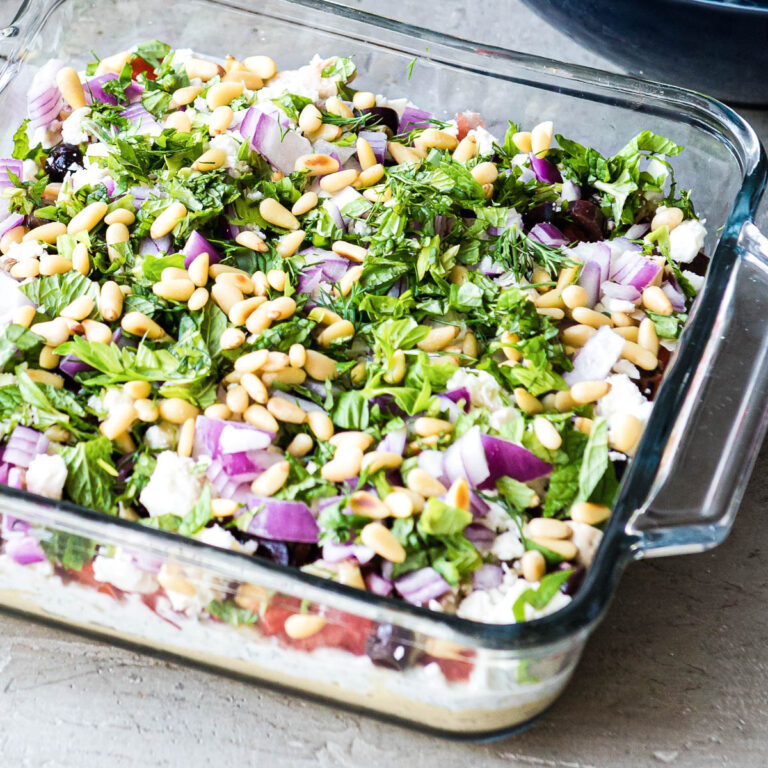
<point x="676" y="674"/>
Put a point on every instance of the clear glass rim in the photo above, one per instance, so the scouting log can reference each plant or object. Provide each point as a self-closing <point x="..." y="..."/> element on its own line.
<point x="593" y="596"/>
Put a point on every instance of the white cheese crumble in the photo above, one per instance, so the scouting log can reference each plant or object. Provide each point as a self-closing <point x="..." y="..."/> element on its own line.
<point x="484" y="390"/>
<point x="305" y="81"/>
<point x="46" y="475"/>
<point x="587" y="538"/>
<point x="484" y="139"/>
<point x="686" y="240"/>
<point x="697" y="281"/>
<point x="29" y="249"/>
<point x="72" y="131"/>
<point x="230" y="147"/>
<point x="624" y="397"/>
<point x="160" y="437"/>
<point x="120" y="572"/>
<point x="507" y="546"/>
<point x="28" y="170"/>
<point x="173" y="488"/>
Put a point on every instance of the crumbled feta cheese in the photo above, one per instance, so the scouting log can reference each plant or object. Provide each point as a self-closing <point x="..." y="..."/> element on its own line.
<point x="46" y="475"/>
<point x="398" y="105"/>
<point x="90" y="175"/>
<point x="305" y="81"/>
<point x="625" y="367"/>
<point x="173" y="488"/>
<point x="587" y="538"/>
<point x="502" y="417"/>
<point x="610" y="304"/>
<point x="72" y="128"/>
<point x="160" y="437"/>
<point x="451" y="127"/>
<point x="497" y="518"/>
<point x="227" y="144"/>
<point x="494" y="606"/>
<point x="507" y="546"/>
<point x="484" y="390"/>
<point x="181" y="56"/>
<point x="121" y="572"/>
<point x="697" y="281"/>
<point x="624" y="397"/>
<point x="217" y="536"/>
<point x="28" y="170"/>
<point x="686" y="240"/>
<point x="29" y="249"/>
<point x="569" y="192"/>
<point x="484" y="139"/>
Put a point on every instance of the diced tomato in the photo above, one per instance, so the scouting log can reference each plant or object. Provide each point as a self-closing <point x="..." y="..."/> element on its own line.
<point x="86" y="578"/>
<point x="273" y="619"/>
<point x="466" y="121"/>
<point x="454" y="670"/>
<point x="138" y="65"/>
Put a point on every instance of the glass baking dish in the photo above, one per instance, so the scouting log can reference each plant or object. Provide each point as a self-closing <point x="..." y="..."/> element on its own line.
<point x="436" y="672"/>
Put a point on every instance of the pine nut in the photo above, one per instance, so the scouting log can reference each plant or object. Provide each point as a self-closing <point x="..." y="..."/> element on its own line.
<point x="336" y="332"/>
<point x="290" y="243"/>
<point x="119" y="420"/>
<point x="630" y="333"/>
<point x="485" y="173"/>
<point x="15" y="235"/>
<point x="222" y="94"/>
<point x="250" y="80"/>
<point x="45" y="233"/>
<point x="258" y="416"/>
<point x="335" y="106"/>
<point x="186" y="439"/>
<point x="667" y="217"/>
<point x="624" y="432"/>
<point x="310" y="119"/>
<point x="174" y="290"/>
<point x="271" y="480"/>
<point x="281" y="308"/>
<point x="174" y="273"/>
<point x="240" y="312"/>
<point x="421" y="482"/>
<point x="522" y="140"/>
<point x="381" y="540"/>
<point x="304" y="204"/>
<point x="226" y="296"/>
<point x="590" y="514"/>
<point x="589" y="317"/>
<point x="70" y="87"/>
<point x="399" y="504"/>
<point x="300" y="446"/>
<point x="237" y="399"/>
<point x="263" y="66"/>
<point x="276" y="361"/>
<point x="319" y="366"/>
<point x="589" y="391"/>
<point x="639" y="356"/>
<point x="198" y="299"/>
<point x="563" y="547"/>
<point x="577" y="335"/>
<point x="656" y="300"/>
<point x="317" y="165"/>
<point x="438" y="338"/>
<point x="647" y="337"/>
<point x="79" y="309"/>
<point x="349" y="250"/>
<point x="252" y="361"/>
<point x="179" y="121"/>
<point x="198" y="269"/>
<point x="52" y="191"/>
<point x="362" y="441"/>
<point x="348" y="280"/>
<point x="302" y="625"/>
<point x="210" y="160"/>
<point x="297" y="355"/>
<point x="367" y="505"/>
<point x="255" y="388"/>
<point x="365" y="154"/>
<point x="137" y="390"/>
<point x="96" y="331"/>
<point x="335" y="182"/>
<point x="223" y="508"/>
<point x="25" y="268"/>
<point x="348" y="573"/>
<point x="548" y="527"/>
<point x="541" y="138"/>
<point x="167" y="220"/>
<point x="120" y="216"/>
<point x="146" y="410"/>
<point x="532" y="563"/>
<point x="220" y="120"/>
<point x="396" y="372"/>
<point x="215" y="271"/>
<point x="88" y="218"/>
<point x="183" y="96"/>
<point x="114" y="63"/>
<point x="469" y="345"/>
<point x="564" y="402"/>
<point x="402" y="154"/>
<point x="378" y="194"/>
<point x="320" y="424"/>
<point x="526" y="402"/>
<point x="575" y="296"/>
<point x="285" y="410"/>
<point x="218" y="411"/>
<point x="53" y="264"/>
<point x="242" y="282"/>
<point x="24" y="315"/>
<point x="425" y="426"/>
<point x="138" y="324"/>
<point x="55" y="332"/>
<point x="81" y="261"/>
<point x="274" y="213"/>
<point x="546" y="433"/>
<point x="511" y="353"/>
<point x="370" y="176"/>
<point x="466" y="150"/>
<point x="458" y="494"/>
<point x="48" y="359"/>
<point x="554" y="313"/>
<point x="584" y="425"/>
<point x="433" y="137"/>
<point x="260" y="283"/>
<point x="345" y="464"/>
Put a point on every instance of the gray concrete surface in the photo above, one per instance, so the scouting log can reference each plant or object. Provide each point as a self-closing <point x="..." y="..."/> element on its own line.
<point x="676" y="675"/>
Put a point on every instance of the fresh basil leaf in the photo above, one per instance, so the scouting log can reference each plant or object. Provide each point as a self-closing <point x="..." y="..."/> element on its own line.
<point x="200" y="515"/>
<point x="517" y="494"/>
<point x="595" y="461"/>
<point x="88" y="483"/>
<point x="54" y="292"/>
<point x="229" y="612"/>
<point x="152" y="265"/>
<point x="441" y="519"/>
<point x="539" y="598"/>
<point x="16" y="338"/>
<point x="68" y="550"/>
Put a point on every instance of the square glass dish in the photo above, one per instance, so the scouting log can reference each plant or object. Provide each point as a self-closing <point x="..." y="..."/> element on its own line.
<point x="433" y="671"/>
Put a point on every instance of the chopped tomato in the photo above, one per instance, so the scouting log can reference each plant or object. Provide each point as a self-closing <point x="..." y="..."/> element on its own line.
<point x="138" y="65"/>
<point x="466" y="121"/>
<point x="454" y="670"/>
<point x="86" y="578"/>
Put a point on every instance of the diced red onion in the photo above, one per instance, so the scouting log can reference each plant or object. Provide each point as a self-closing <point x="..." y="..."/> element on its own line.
<point x="414" y="119"/>
<point x="335" y="206"/>
<point x="506" y="459"/>
<point x="487" y="576"/>
<point x="432" y="462"/>
<point x="489" y="267"/>
<point x="636" y="231"/>
<point x="333" y="552"/>
<point x="481" y="536"/>
<point x="548" y="234"/>
<point x="596" y="358"/>
<point x="619" y="291"/>
<point x="11" y="222"/>
<point x="570" y="191"/>
<point x="283" y="520"/>
<point x="632" y="268"/>
<point x="16" y="477"/>
<point x="421" y="586"/>
<point x="249" y="121"/>
<point x="71" y="365"/>
<point x="394" y="441"/>
<point x="237" y="440"/>
<point x="25" y="550"/>
<point x="155" y="247"/>
<point x="12" y="524"/>
<point x="457" y="395"/>
<point x="342" y="154"/>
<point x="4" y="467"/>
<point x="378" y="142"/>
<point x="599" y="253"/>
<point x="378" y="584"/>
<point x="280" y="147"/>
<point x="521" y="161"/>
<point x="675" y="295"/>
<point x="589" y="280"/>
<point x="44" y="99"/>
<point x="197" y="244"/>
<point x="23" y="445"/>
<point x="15" y="166"/>
<point x="545" y="171"/>
<point x="332" y="266"/>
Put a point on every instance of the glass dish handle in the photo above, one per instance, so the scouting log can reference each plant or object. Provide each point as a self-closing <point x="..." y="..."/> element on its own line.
<point x="718" y="432"/>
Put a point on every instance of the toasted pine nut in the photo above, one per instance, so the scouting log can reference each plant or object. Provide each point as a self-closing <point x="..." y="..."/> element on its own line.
<point x="547" y="434"/>
<point x="263" y="66"/>
<point x="252" y="361"/>
<point x="218" y="411"/>
<point x="297" y="355"/>
<point x="421" y="482"/>
<point x="255" y="388"/>
<point x="300" y="446"/>
<point x="526" y="401"/>
<point x="222" y="94"/>
<point x="647" y="337"/>
<point x="226" y="296"/>
<point x="335" y="106"/>
<point x="485" y="173"/>
<point x="237" y="399"/>
<point x="548" y="527"/>
<point x="466" y="149"/>
<point x="88" y="218"/>
<point x="577" y="335"/>
<point x="591" y="514"/>
<point x="271" y="480"/>
<point x="304" y="204"/>
<point x="352" y="438"/>
<point x="438" y="338"/>
<point x="45" y="233"/>
<point x="24" y="315"/>
<point x="70" y="87"/>
<point x="258" y="416"/>
<point x="167" y="220"/>
<point x="119" y="420"/>
<point x="186" y="438"/>
<point x="146" y="410"/>
<point x="285" y="410"/>
<point x="628" y="332"/>
<point x="621" y="319"/>
<point x="624" y="432"/>
<point x="321" y="425"/>
<point x="260" y="283"/>
<point x="220" y="120"/>
<point x="120" y="216"/>
<point x="588" y="391"/>
<point x="345" y="464"/>
<point x="53" y="264"/>
<point x="335" y="182"/>
<point x="138" y="324"/>
<point x="222" y="508"/>
<point x="96" y="331"/>
<point x="367" y="505"/>
<point x="183" y="96"/>
<point x="425" y="426"/>
<point x="382" y="541"/>
<point x="656" y="300"/>
<point x="575" y="296"/>
<point x="639" y="356"/>
<point x="52" y="191"/>
<point x="231" y="338"/>
<point x="179" y="121"/>
<point x="210" y="161"/>
<point x="310" y="119"/>
<point x="242" y="282"/>
<point x="532" y="563"/>
<point x="319" y="366"/>
<point x="15" y="235"/>
<point x="396" y="372"/>
<point x="583" y="425"/>
<point x="349" y="278"/>
<point x="274" y="213"/>
<point x="522" y="140"/>
<point x="290" y="243"/>
<point x="667" y="217"/>
<point x="349" y="250"/>
<point x="280" y="308"/>
<point x="79" y="309"/>
<point x="25" y="268"/>
<point x="198" y="269"/>
<point x="242" y="310"/>
<point x="174" y="290"/>
<point x="138" y="390"/>
<point x="458" y="494"/>
<point x="563" y="547"/>
<point x="564" y="402"/>
<point x="589" y="317"/>
<point x="114" y="63"/>
<point x="198" y="299"/>
<point x="301" y="625"/>
<point x="365" y="154"/>
<point x="541" y="138"/>
<point x="370" y="176"/>
<point x="250" y="80"/>
<point x="434" y="137"/>
<point x="318" y="165"/>
<point x="110" y="301"/>
<point x="81" y="261"/>
<point x="399" y="504"/>
<point x="336" y="332"/>
<point x="48" y="359"/>
<point x="469" y="345"/>
<point x="403" y="154"/>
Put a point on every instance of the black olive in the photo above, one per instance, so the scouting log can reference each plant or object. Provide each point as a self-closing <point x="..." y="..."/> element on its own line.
<point x="276" y="551"/>
<point x="574" y="580"/>
<point x="387" y="117"/>
<point x="588" y="217"/>
<point x="390" y="647"/>
<point x="543" y="212"/>
<point x="301" y="554"/>
<point x="61" y="159"/>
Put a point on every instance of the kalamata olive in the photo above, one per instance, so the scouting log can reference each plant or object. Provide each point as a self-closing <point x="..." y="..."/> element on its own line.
<point x="573" y="233"/>
<point x="301" y="554"/>
<point x="61" y="159"/>
<point x="276" y="551"/>
<point x="538" y="214"/>
<point x="390" y="647"/>
<point x="588" y="217"/>
<point x="387" y="116"/>
<point x="574" y="581"/>
<point x="699" y="265"/>
<point x="651" y="380"/>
